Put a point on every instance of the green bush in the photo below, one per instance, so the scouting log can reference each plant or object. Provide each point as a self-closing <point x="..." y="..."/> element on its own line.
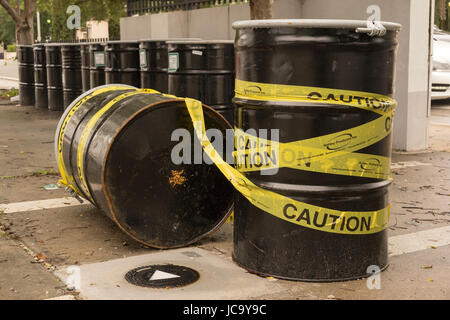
<point x="9" y="93"/>
<point x="11" y="48"/>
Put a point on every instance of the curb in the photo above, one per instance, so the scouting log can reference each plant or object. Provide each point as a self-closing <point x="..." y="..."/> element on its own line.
<point x="9" y="78"/>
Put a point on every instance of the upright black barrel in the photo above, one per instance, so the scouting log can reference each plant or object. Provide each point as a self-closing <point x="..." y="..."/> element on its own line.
<point x="203" y="70"/>
<point x="71" y="72"/>
<point x="54" y="76"/>
<point x="122" y="63"/>
<point x="85" y="66"/>
<point x="314" y="54"/>
<point x="26" y="74"/>
<point x="97" y="64"/>
<point x="154" y="63"/>
<point x="125" y="165"/>
<point x="40" y="76"/>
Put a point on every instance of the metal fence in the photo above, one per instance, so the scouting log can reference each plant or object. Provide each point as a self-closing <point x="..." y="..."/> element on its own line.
<point x="154" y="6"/>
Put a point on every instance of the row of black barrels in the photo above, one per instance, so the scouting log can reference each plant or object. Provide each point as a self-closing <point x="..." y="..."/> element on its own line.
<point x="52" y="75"/>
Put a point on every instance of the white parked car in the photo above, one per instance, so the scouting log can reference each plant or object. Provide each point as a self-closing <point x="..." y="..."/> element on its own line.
<point x="440" y="77"/>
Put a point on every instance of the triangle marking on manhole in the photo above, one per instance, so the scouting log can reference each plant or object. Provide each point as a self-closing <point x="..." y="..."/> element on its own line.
<point x="161" y="275"/>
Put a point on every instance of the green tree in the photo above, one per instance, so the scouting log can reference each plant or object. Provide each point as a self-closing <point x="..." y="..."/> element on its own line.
<point x="8" y="29"/>
<point x="110" y="10"/>
<point x="441" y="8"/>
<point x="23" y="20"/>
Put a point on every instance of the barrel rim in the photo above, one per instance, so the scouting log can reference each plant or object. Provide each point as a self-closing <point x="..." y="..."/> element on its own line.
<point x="201" y="42"/>
<point x="122" y="41"/>
<point x="310" y="23"/>
<point x="108" y="195"/>
<point x="70" y="106"/>
<point x="53" y="44"/>
<point x="166" y="39"/>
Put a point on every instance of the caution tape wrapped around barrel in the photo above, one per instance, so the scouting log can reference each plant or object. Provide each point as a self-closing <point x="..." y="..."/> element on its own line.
<point x="334" y="153"/>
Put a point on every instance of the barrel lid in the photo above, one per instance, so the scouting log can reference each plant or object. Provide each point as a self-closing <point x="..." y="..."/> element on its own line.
<point x="122" y="41"/>
<point x="202" y="42"/>
<point x="166" y="39"/>
<point x="71" y="44"/>
<point x="310" y="23"/>
<point x="54" y="44"/>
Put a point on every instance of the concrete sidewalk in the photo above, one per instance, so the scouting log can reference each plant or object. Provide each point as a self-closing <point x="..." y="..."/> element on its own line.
<point x="42" y="238"/>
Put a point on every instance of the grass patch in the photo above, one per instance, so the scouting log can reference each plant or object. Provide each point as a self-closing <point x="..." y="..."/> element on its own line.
<point x="9" y="93"/>
<point x="36" y="173"/>
<point x="40" y="173"/>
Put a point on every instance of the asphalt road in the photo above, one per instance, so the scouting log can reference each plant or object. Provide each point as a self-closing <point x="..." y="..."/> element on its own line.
<point x="440" y="112"/>
<point x="9" y="69"/>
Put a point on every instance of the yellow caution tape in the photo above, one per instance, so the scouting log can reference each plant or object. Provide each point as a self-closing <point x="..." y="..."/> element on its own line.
<point x="81" y="151"/>
<point x="332" y="153"/>
<point x="67" y="178"/>
<point x="285" y="208"/>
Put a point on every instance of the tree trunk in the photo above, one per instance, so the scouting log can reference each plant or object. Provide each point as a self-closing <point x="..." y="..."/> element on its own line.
<point x="23" y="21"/>
<point x="443" y="14"/>
<point x="261" y="9"/>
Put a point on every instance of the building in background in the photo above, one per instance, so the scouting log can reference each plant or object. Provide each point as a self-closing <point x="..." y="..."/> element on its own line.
<point x="208" y="20"/>
<point x="93" y="30"/>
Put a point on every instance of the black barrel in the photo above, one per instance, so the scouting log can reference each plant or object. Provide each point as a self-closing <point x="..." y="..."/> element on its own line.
<point x="153" y="63"/>
<point x="320" y="54"/>
<point x="26" y="74"/>
<point x="203" y="70"/>
<point x="71" y="72"/>
<point x="85" y="66"/>
<point x="128" y="167"/>
<point x="122" y="63"/>
<point x="54" y="76"/>
<point x="40" y="77"/>
<point x="97" y="64"/>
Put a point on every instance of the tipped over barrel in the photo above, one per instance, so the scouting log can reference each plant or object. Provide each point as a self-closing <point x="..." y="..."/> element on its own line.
<point x="114" y="147"/>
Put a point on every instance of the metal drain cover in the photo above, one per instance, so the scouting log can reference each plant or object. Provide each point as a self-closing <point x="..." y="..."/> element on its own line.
<point x="162" y="276"/>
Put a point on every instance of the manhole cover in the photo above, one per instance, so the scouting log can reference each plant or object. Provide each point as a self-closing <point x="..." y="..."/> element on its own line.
<point x="162" y="276"/>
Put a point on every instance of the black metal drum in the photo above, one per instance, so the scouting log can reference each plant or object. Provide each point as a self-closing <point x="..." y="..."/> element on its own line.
<point x="54" y="76"/>
<point x="97" y="64"/>
<point x="117" y="146"/>
<point x="26" y="74"/>
<point x="71" y="72"/>
<point x="333" y="54"/>
<point x="203" y="70"/>
<point x="153" y="63"/>
<point x="122" y="63"/>
<point x="85" y="66"/>
<point x="40" y="77"/>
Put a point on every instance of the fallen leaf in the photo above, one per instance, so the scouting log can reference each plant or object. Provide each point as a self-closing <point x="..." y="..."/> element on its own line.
<point x="427" y="267"/>
<point x="41" y="257"/>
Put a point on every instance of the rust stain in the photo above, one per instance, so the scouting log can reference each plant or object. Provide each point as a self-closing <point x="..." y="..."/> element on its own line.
<point x="177" y="178"/>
